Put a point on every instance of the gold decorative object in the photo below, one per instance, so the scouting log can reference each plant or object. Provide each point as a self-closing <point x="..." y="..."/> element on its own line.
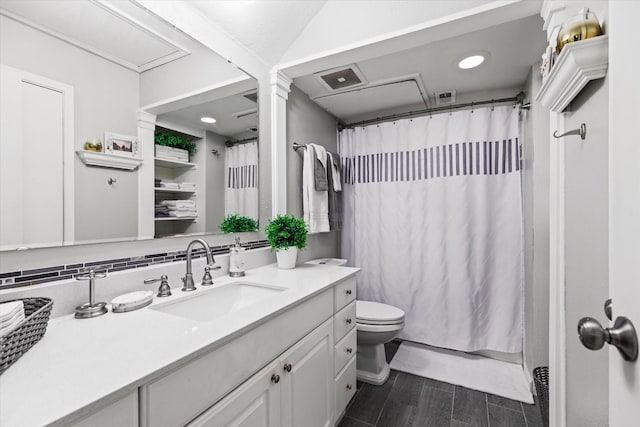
<point x="582" y="26"/>
<point x="95" y="145"/>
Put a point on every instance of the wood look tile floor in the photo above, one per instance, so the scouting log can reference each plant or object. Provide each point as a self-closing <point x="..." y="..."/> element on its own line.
<point x="407" y="400"/>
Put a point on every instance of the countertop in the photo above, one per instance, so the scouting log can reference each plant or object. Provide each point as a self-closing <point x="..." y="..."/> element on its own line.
<point x="80" y="366"/>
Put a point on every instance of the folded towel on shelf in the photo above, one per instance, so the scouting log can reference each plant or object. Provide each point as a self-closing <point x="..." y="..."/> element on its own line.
<point x="11" y="316"/>
<point x="170" y="185"/>
<point x="183" y="214"/>
<point x="335" y="196"/>
<point x="181" y="208"/>
<point x="319" y="166"/>
<point x="179" y="203"/>
<point x="315" y="204"/>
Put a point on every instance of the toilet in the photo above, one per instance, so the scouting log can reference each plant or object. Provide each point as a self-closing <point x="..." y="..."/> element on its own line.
<point x="377" y="324"/>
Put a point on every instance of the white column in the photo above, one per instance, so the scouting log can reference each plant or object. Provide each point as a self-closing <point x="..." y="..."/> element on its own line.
<point x="280" y="88"/>
<point x="146" y="175"/>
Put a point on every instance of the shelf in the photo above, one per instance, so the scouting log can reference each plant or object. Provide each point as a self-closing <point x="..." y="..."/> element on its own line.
<point x="173" y="164"/>
<point x="578" y="64"/>
<point x="105" y="160"/>
<point x="166" y="190"/>
<point x="173" y="218"/>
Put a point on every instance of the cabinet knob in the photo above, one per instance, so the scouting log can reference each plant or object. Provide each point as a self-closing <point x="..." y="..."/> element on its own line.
<point x="349" y="350"/>
<point x="275" y="378"/>
<point x="287" y="367"/>
<point x="349" y="386"/>
<point x="349" y="321"/>
<point x="348" y="291"/>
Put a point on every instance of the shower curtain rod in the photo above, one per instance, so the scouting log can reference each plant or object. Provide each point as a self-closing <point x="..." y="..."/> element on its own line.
<point x="230" y="143"/>
<point x="518" y="99"/>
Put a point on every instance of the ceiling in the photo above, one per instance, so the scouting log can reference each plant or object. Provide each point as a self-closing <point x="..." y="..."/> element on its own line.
<point x="511" y="49"/>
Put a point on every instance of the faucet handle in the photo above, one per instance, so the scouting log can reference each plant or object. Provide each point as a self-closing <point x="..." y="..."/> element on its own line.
<point x="206" y="279"/>
<point x="164" y="290"/>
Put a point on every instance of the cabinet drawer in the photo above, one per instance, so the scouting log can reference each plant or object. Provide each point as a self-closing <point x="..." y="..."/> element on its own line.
<point x="345" y="386"/>
<point x="344" y="293"/>
<point x="345" y="350"/>
<point x="344" y="321"/>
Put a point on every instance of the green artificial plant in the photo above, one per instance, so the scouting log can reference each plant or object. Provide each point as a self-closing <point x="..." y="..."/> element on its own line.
<point x="285" y="231"/>
<point x="175" y="141"/>
<point x="237" y="223"/>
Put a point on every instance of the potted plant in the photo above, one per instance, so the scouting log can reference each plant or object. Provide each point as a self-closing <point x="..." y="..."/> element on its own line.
<point x="235" y="223"/>
<point x="170" y="145"/>
<point x="286" y="234"/>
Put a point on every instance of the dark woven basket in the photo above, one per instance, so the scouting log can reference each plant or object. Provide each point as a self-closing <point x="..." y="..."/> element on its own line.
<point x="21" y="339"/>
<point x="541" y="379"/>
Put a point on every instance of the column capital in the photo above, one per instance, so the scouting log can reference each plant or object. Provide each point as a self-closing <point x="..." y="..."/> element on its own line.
<point x="146" y="120"/>
<point x="280" y="84"/>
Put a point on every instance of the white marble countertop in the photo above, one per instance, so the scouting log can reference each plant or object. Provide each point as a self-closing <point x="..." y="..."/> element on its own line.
<point x="80" y="366"/>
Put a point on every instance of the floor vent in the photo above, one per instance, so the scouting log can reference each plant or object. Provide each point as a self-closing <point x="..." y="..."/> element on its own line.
<point x="341" y="78"/>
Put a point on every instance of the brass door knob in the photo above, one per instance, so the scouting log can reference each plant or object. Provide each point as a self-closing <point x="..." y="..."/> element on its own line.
<point x="349" y="350"/>
<point x="287" y="367"/>
<point x="275" y="378"/>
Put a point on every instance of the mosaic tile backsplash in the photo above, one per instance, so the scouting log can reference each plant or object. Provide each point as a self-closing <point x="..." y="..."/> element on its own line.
<point x="16" y="279"/>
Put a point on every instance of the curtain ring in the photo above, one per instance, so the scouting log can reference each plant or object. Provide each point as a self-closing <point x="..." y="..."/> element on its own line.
<point x="492" y="105"/>
<point x="471" y="107"/>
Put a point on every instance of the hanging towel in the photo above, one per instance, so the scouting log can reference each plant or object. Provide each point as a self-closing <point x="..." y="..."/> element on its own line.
<point x="335" y="196"/>
<point x="319" y="167"/>
<point x="315" y="204"/>
<point x="334" y="162"/>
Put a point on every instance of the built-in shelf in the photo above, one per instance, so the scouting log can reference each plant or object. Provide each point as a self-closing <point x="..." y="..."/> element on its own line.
<point x="174" y="218"/>
<point x="173" y="163"/>
<point x="167" y="190"/>
<point x="105" y="160"/>
<point x="578" y="64"/>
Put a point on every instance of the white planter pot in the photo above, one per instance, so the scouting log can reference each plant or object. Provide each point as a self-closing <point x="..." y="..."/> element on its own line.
<point x="171" y="153"/>
<point x="287" y="258"/>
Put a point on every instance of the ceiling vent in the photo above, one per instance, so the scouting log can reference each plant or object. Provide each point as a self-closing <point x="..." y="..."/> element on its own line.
<point x="344" y="77"/>
<point x="245" y="113"/>
<point x="446" y="97"/>
<point x="251" y="96"/>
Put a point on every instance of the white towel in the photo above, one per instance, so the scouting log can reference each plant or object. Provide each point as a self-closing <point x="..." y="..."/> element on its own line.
<point x="315" y="204"/>
<point x="179" y="203"/>
<point x="183" y="214"/>
<point x="12" y="315"/>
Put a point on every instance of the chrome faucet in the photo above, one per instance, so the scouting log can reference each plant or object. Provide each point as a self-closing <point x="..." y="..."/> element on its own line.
<point x="187" y="280"/>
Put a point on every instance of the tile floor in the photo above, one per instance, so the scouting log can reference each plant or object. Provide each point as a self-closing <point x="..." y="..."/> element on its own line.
<point x="412" y="401"/>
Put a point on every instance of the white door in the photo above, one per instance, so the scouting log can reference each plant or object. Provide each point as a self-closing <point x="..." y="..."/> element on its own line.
<point x="256" y="403"/>
<point x="624" y="204"/>
<point x="307" y="380"/>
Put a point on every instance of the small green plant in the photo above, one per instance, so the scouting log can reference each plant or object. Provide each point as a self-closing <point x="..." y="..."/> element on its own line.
<point x="285" y="231"/>
<point x="236" y="224"/>
<point x="170" y="140"/>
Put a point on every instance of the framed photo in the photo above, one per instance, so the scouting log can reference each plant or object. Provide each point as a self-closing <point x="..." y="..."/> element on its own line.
<point x="121" y="145"/>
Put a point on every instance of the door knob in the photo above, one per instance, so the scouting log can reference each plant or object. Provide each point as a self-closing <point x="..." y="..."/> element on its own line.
<point x="622" y="335"/>
<point x="275" y="378"/>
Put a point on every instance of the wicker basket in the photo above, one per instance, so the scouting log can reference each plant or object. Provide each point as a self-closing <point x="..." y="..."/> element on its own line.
<point x="541" y="379"/>
<point x="21" y="339"/>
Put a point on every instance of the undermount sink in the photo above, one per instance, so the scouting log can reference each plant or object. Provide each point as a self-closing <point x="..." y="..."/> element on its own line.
<point x="209" y="304"/>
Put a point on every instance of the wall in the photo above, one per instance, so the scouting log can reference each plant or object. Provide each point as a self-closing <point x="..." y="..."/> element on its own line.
<point x="307" y="122"/>
<point x="214" y="185"/>
<point x="535" y="182"/>
<point x="106" y="99"/>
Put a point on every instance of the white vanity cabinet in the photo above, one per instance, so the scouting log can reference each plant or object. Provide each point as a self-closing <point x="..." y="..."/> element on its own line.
<point x="122" y="413"/>
<point x="345" y="343"/>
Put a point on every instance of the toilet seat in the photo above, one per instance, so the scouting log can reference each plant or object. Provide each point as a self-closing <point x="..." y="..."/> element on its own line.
<point x="364" y="327"/>
<point x="378" y="314"/>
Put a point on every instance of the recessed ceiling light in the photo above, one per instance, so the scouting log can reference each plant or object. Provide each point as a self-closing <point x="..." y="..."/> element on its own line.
<point x="471" y="62"/>
<point x="208" y="119"/>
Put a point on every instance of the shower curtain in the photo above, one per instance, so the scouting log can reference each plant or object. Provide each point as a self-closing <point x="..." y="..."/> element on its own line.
<point x="241" y="180"/>
<point x="433" y="217"/>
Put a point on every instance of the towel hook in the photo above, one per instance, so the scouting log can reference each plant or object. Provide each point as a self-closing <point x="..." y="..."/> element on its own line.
<point x="582" y="131"/>
<point x="112" y="181"/>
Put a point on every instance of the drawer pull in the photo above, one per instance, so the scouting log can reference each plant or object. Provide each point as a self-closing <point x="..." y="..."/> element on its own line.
<point x="275" y="378"/>
<point x="349" y="321"/>
<point x="287" y="367"/>
<point x="349" y="386"/>
<point x="348" y="291"/>
<point x="349" y="350"/>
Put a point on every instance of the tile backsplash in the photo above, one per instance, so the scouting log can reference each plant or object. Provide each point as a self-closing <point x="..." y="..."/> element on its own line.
<point x="20" y="278"/>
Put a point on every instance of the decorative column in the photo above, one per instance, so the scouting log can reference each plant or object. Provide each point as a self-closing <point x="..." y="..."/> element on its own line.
<point x="280" y="88"/>
<point x="146" y="174"/>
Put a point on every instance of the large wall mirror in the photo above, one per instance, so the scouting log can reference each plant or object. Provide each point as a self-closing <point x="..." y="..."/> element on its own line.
<point x="76" y="77"/>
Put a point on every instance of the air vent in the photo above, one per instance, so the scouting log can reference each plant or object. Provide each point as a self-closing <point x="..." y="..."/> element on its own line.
<point x="252" y="96"/>
<point x="341" y="78"/>
<point x="245" y="113"/>
<point x="445" y="97"/>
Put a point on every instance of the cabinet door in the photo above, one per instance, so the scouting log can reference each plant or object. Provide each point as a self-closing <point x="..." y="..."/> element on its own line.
<point x="307" y="380"/>
<point x="256" y="403"/>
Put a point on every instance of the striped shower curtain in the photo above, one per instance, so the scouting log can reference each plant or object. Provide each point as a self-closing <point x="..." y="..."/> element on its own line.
<point x="433" y="217"/>
<point x="241" y="180"/>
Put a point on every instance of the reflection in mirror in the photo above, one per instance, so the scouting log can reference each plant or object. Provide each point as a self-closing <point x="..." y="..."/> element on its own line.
<point x="74" y="72"/>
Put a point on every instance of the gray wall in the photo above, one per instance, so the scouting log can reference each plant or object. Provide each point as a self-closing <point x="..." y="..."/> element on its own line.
<point x="587" y="253"/>
<point x="535" y="191"/>
<point x="307" y="122"/>
<point x="214" y="185"/>
<point x="105" y="99"/>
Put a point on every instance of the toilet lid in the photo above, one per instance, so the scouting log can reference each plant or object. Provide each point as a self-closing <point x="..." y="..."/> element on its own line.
<point x="377" y="313"/>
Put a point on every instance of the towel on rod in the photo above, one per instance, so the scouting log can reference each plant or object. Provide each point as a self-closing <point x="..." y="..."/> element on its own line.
<point x="335" y="196"/>
<point x="334" y="163"/>
<point x="315" y="204"/>
<point x="319" y="166"/>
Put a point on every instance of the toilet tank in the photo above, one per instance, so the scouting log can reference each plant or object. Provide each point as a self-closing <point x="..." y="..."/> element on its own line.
<point x="328" y="261"/>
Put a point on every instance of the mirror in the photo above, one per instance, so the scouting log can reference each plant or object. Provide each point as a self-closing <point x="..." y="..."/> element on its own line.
<point x="81" y="73"/>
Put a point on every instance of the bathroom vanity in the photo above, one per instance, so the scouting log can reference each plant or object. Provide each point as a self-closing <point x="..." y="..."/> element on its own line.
<point x="278" y="349"/>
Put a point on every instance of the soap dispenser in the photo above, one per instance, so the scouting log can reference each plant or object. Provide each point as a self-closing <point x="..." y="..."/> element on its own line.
<point x="236" y="260"/>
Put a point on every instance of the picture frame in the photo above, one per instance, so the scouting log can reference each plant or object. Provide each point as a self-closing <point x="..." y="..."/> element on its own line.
<point x="121" y="145"/>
